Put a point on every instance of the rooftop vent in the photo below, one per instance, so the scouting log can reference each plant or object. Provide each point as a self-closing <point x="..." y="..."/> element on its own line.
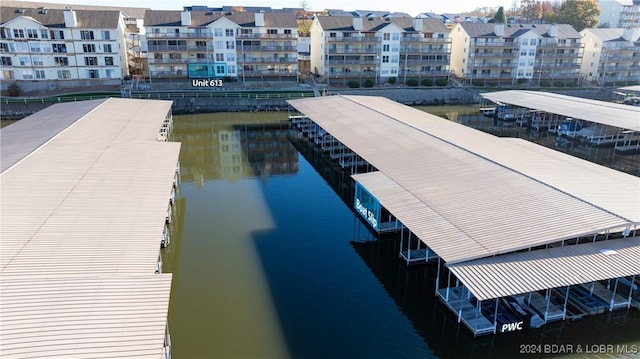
<point x="20" y="11"/>
<point x="608" y="252"/>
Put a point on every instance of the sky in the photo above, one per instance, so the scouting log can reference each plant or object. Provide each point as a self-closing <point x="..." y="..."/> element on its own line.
<point x="413" y="8"/>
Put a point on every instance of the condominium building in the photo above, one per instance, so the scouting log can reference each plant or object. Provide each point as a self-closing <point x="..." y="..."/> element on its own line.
<point x="498" y="53"/>
<point x="611" y="55"/>
<point x="44" y="48"/>
<point x="200" y="43"/>
<point x="345" y="48"/>
<point x="619" y="13"/>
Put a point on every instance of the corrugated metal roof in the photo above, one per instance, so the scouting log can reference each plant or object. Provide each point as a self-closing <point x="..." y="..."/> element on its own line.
<point x="603" y="187"/>
<point x="26" y="135"/>
<point x="490" y="208"/>
<point x="82" y="219"/>
<point x="525" y="272"/>
<point x="606" y="113"/>
<point x="88" y="317"/>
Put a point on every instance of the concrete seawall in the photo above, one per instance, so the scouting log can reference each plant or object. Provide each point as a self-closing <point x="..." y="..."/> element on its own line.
<point x="407" y="96"/>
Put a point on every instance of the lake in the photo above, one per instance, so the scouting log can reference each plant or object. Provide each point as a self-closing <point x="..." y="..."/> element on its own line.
<point x="269" y="260"/>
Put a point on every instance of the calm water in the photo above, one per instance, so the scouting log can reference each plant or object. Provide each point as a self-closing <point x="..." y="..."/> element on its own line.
<point x="270" y="261"/>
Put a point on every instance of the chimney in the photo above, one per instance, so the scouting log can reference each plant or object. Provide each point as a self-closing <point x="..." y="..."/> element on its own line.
<point x="498" y="29"/>
<point x="357" y="23"/>
<point x="417" y="24"/>
<point x="553" y="30"/>
<point x="630" y="34"/>
<point x="70" y="19"/>
<point x="185" y="18"/>
<point x="259" y="18"/>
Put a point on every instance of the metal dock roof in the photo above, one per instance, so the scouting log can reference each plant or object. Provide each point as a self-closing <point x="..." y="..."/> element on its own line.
<point x="462" y="179"/>
<point x="524" y="272"/>
<point x="83" y="214"/>
<point x="84" y="317"/>
<point x="606" y="113"/>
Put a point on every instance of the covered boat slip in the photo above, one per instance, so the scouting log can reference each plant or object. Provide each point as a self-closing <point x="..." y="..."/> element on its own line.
<point x="467" y="196"/>
<point x="84" y="214"/>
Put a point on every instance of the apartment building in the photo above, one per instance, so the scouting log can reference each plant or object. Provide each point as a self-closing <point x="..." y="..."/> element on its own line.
<point x="611" y="55"/>
<point x="201" y="43"/>
<point x="619" y="13"/>
<point x="498" y="53"/>
<point x="44" y="48"/>
<point x="345" y="48"/>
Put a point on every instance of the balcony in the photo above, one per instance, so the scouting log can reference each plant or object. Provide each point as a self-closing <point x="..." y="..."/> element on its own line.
<point x="258" y="60"/>
<point x="278" y="48"/>
<point x="422" y="39"/>
<point x="169" y="61"/>
<point x="199" y="48"/>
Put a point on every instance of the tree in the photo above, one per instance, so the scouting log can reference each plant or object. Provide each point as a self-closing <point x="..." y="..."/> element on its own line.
<point x="500" y="18"/>
<point x="548" y="10"/>
<point x="581" y="14"/>
<point x="531" y="10"/>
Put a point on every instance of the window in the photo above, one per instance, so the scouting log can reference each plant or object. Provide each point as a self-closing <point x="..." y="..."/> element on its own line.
<point x="24" y="61"/>
<point x="532" y="52"/>
<point x="385" y="47"/>
<point x="394" y="59"/>
<point x="217" y="32"/>
<point x="5" y="47"/>
<point x="37" y="61"/>
<point x="108" y="60"/>
<point x="218" y="45"/>
<point x="228" y="32"/>
<point x="201" y="56"/>
<point x="32" y="33"/>
<point x="386" y="36"/>
<point x="231" y="69"/>
<point x="64" y="74"/>
<point x="441" y="36"/>
<point x="219" y="57"/>
<point x="6" y="61"/>
<point x="93" y="74"/>
<point x="19" y="33"/>
<point x="91" y="61"/>
<point x="175" y="56"/>
<point x="88" y="48"/>
<point x="532" y="42"/>
<point x="44" y="33"/>
<point x="61" y="61"/>
<point x="385" y="59"/>
<point x="220" y="70"/>
<point x="332" y="34"/>
<point x="231" y="57"/>
<point x="40" y="74"/>
<point x="107" y="48"/>
<point x="396" y="36"/>
<point x="35" y="47"/>
<point x="106" y="35"/>
<point x="59" y="48"/>
<point x="27" y="74"/>
<point x="272" y="31"/>
<point x="7" y="75"/>
<point x="230" y="45"/>
<point x="86" y="35"/>
<point x="110" y="73"/>
<point x="287" y="31"/>
<point x="201" y="44"/>
<point x="57" y="34"/>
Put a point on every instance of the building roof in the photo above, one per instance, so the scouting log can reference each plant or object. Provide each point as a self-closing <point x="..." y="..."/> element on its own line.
<point x="613" y="34"/>
<point x="525" y="272"/>
<point x="87" y="19"/>
<point x="204" y="18"/>
<point x="606" y="113"/>
<point x="482" y="204"/>
<point x="86" y="317"/>
<point x="129" y="12"/>
<point x="345" y="23"/>
<point x="564" y="31"/>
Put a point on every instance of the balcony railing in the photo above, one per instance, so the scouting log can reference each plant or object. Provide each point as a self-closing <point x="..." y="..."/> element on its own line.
<point x="267" y="36"/>
<point x="417" y="38"/>
<point x="286" y="60"/>
<point x="173" y="35"/>
<point x="353" y="51"/>
<point x="167" y="47"/>
<point x="354" y="39"/>
<point x="170" y="61"/>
